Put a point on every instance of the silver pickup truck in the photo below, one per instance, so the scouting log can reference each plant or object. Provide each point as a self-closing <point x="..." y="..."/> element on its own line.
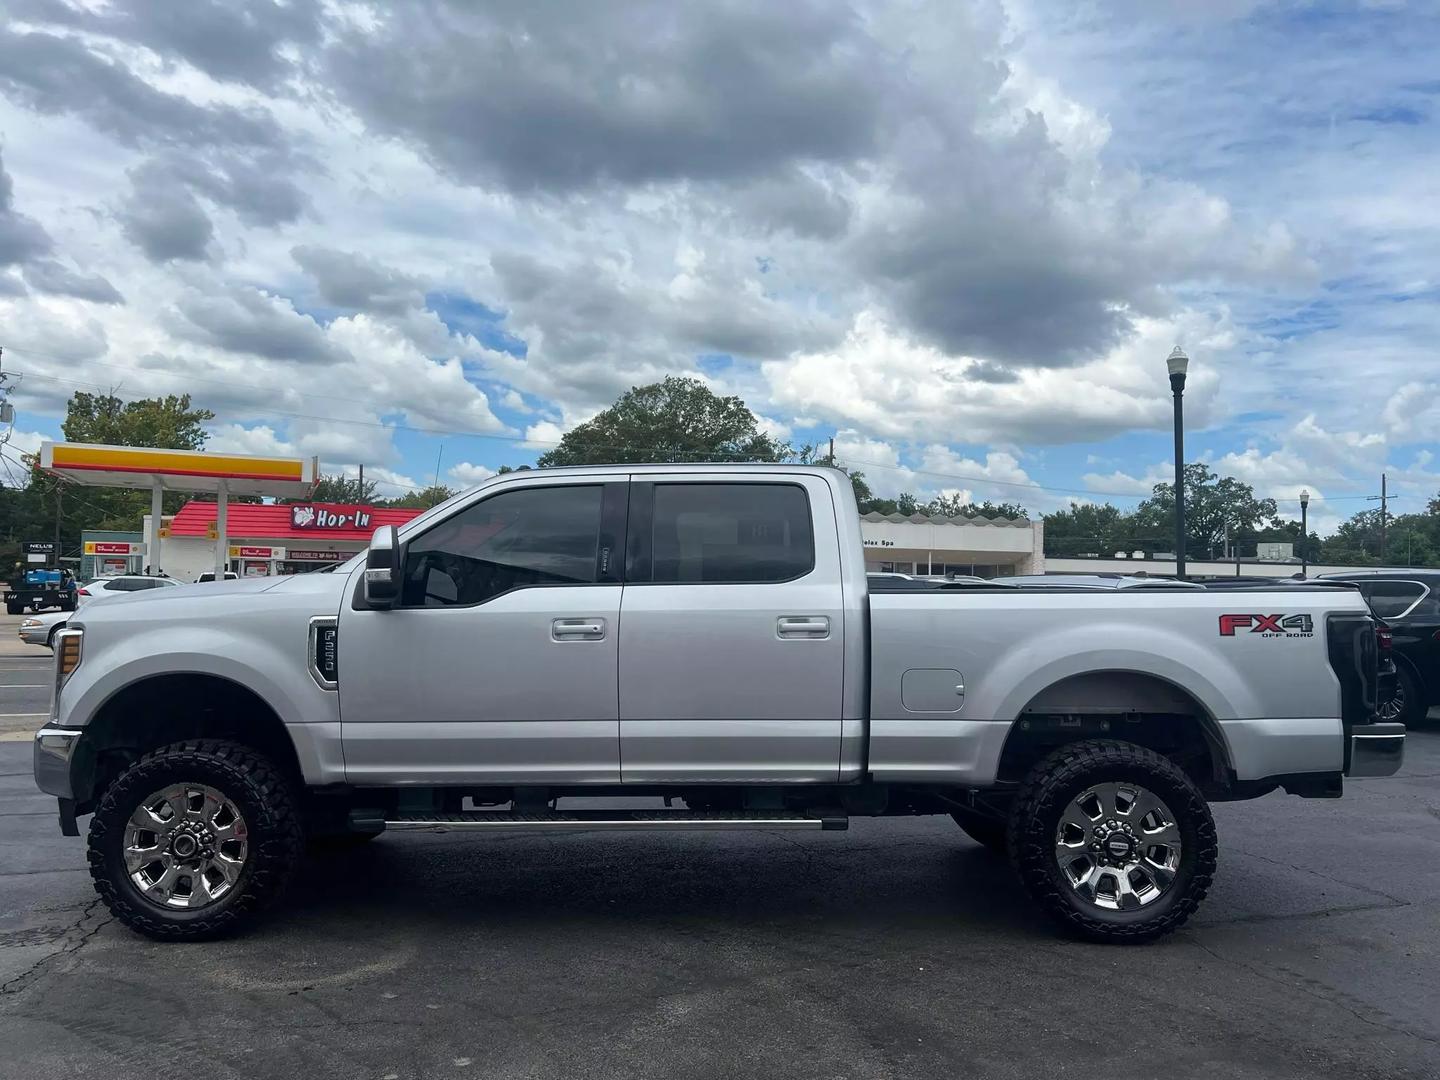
<point x="705" y="636"/>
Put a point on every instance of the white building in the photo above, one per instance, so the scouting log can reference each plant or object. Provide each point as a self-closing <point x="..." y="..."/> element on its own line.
<point x="987" y="547"/>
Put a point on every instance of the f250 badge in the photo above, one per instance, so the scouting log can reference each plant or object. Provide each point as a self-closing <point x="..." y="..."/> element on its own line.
<point x="1270" y="626"/>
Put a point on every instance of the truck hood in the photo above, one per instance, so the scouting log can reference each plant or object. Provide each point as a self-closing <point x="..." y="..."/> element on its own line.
<point x="210" y="596"/>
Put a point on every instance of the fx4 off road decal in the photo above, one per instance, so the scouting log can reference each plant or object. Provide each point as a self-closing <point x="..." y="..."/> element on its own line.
<point x="1269" y="626"/>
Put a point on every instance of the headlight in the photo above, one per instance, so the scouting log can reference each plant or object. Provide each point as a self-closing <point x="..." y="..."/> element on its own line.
<point x="67" y="652"/>
<point x="25" y="624"/>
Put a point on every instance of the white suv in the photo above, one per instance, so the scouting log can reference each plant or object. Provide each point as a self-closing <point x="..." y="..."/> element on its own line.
<point x="124" y="583"/>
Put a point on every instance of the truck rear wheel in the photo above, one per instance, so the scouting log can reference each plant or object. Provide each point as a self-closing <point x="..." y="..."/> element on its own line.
<point x="1113" y="841"/>
<point x="14" y="609"/>
<point x="194" y="840"/>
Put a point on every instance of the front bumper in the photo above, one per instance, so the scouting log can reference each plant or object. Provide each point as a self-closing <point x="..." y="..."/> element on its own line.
<point x="1376" y="750"/>
<point x="37" y="636"/>
<point x="54" y="751"/>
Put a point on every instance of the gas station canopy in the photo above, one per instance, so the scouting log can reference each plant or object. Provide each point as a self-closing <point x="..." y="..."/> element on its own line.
<point x="160" y="471"/>
<point x="179" y="470"/>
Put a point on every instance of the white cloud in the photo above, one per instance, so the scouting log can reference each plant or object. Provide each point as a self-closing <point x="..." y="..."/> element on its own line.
<point x="468" y="474"/>
<point x="260" y="439"/>
<point x="776" y="429"/>
<point x="543" y="435"/>
<point x="25" y="442"/>
<point x="1120" y="482"/>
<point x="975" y="226"/>
<point x="882" y="381"/>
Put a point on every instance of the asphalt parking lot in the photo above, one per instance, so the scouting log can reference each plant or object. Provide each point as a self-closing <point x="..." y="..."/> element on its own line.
<point x="896" y="949"/>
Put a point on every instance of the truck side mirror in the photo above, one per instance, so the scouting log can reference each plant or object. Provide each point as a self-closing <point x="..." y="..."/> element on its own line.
<point x="382" y="568"/>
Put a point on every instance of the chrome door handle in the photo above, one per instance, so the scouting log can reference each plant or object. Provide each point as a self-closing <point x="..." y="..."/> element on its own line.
<point x="577" y="629"/>
<point x="812" y="627"/>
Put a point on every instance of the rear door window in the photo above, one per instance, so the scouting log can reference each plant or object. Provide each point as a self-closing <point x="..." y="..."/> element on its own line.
<point x="730" y="534"/>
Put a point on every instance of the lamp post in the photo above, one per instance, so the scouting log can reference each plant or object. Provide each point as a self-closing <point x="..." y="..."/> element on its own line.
<point x="1304" y="528"/>
<point x="1178" y="363"/>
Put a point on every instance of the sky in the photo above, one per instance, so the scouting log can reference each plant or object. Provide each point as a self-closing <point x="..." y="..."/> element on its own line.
<point x="957" y="237"/>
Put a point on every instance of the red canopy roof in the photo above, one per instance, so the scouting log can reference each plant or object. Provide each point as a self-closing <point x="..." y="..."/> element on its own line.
<point x="252" y="520"/>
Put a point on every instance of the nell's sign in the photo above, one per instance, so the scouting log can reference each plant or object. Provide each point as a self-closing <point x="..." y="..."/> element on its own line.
<point x="307" y="516"/>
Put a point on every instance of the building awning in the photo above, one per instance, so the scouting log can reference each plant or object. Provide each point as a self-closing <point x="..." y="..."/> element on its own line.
<point x="179" y="470"/>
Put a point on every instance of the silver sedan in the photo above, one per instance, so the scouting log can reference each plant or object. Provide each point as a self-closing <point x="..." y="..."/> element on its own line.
<point x="40" y="629"/>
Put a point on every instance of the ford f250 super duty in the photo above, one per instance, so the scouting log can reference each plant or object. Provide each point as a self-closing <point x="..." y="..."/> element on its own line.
<point x="703" y="634"/>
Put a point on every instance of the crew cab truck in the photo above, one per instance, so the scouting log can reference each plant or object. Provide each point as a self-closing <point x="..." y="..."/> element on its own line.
<point x="703" y="634"/>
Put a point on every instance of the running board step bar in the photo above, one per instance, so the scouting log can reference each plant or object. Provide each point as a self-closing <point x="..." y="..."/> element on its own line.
<point x="602" y="820"/>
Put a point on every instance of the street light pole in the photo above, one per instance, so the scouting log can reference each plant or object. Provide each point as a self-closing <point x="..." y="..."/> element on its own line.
<point x="1177" y="363"/>
<point x="1304" y="529"/>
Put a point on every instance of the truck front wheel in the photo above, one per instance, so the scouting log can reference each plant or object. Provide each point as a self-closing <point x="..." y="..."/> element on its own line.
<point x="1113" y="840"/>
<point x="194" y="839"/>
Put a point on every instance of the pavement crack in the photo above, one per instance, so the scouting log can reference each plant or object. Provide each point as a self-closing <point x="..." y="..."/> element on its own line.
<point x="73" y="939"/>
<point x="1310" y="988"/>
<point x="1324" y="877"/>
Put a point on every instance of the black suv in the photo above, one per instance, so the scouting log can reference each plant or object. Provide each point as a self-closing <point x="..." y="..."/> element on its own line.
<point x="1409" y="603"/>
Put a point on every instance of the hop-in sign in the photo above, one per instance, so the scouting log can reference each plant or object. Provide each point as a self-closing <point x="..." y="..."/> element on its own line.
<point x="305" y="516"/>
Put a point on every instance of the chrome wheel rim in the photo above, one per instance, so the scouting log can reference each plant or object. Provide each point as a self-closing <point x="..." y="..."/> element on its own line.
<point x="185" y="846"/>
<point x="1395" y="706"/>
<point x="1118" y="846"/>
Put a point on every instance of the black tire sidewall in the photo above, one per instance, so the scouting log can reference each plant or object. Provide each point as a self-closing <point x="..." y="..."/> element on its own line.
<point x="269" y="815"/>
<point x="1036" y="822"/>
<point x="1415" y="707"/>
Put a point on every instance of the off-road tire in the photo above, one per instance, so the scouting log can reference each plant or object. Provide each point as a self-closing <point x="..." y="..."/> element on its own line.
<point x="991" y="833"/>
<point x="1034" y="820"/>
<point x="14" y="609"/>
<point x="264" y="795"/>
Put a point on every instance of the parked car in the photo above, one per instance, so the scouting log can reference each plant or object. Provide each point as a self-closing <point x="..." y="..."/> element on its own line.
<point x="41" y="629"/>
<point x="124" y="583"/>
<point x="705" y="633"/>
<point x="1409" y="603"/>
<point x="209" y="575"/>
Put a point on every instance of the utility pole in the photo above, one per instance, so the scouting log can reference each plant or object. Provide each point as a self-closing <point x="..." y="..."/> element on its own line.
<point x="1384" y="500"/>
<point x="362" y="484"/>
<point x="832" y="451"/>
<point x="58" y="493"/>
<point x="1384" y="507"/>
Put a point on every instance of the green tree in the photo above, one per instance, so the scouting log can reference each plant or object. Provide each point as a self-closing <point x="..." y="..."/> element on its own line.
<point x="169" y="423"/>
<point x="1088" y="529"/>
<point x="423" y="499"/>
<point x="1214" y="507"/>
<point x="340" y="489"/>
<point x="676" y="419"/>
<point x="954" y="506"/>
<point x="1410" y="540"/>
<point x="164" y="423"/>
